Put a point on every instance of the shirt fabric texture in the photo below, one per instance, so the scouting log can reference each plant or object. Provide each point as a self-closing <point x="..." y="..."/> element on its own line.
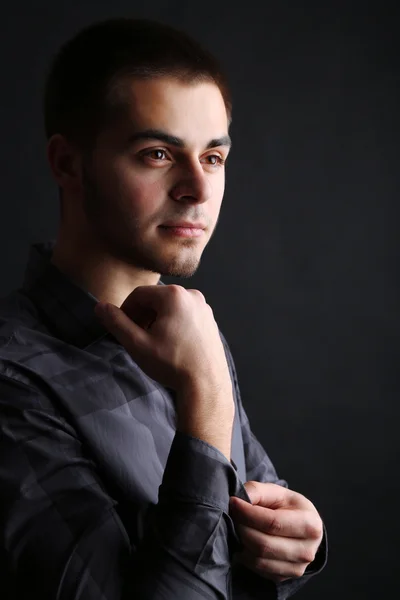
<point x="101" y="498"/>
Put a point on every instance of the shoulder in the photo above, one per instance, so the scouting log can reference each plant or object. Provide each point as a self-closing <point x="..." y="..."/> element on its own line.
<point x="16" y="311"/>
<point x="24" y="339"/>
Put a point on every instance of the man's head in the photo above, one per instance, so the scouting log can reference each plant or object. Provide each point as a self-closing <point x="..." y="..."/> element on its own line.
<point x="137" y="117"/>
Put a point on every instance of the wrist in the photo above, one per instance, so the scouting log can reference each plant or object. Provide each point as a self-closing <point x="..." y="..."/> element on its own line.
<point x="207" y="413"/>
<point x="215" y="389"/>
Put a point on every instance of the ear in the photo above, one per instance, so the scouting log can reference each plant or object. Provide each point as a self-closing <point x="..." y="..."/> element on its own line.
<point x="65" y="163"/>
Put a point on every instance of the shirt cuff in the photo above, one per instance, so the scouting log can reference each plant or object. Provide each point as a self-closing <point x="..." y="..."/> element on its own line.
<point x="198" y="471"/>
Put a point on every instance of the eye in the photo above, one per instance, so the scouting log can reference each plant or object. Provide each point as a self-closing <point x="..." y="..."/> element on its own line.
<point x="156" y="154"/>
<point x="215" y="160"/>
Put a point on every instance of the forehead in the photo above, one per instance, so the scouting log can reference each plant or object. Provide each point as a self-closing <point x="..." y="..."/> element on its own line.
<point x="192" y="111"/>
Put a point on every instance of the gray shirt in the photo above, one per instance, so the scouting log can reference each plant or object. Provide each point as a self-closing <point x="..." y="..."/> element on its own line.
<point x="101" y="497"/>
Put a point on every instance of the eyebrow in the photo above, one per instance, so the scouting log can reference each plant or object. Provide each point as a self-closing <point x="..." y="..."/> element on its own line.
<point x="172" y="140"/>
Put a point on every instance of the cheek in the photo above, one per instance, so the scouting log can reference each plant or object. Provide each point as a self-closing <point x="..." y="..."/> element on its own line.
<point x="137" y="191"/>
<point x="218" y="193"/>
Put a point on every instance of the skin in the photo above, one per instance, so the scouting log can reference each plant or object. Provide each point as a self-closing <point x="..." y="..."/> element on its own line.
<point x="109" y="241"/>
<point x="280" y="530"/>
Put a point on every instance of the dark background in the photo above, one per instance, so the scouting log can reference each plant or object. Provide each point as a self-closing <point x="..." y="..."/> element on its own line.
<point x="302" y="272"/>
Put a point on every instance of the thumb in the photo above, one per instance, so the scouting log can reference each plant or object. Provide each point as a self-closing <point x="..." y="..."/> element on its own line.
<point x="270" y="495"/>
<point x="128" y="333"/>
<point x="251" y="488"/>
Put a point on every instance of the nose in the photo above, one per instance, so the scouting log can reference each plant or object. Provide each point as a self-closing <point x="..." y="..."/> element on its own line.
<point x="192" y="185"/>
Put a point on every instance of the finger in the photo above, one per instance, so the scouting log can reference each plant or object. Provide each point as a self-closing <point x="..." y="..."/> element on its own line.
<point x="272" y="495"/>
<point x="160" y="299"/>
<point x="281" y="522"/>
<point x="142" y="316"/>
<point x="147" y="296"/>
<point x="273" y="547"/>
<point x="196" y="293"/>
<point x="121" y="326"/>
<point x="271" y="569"/>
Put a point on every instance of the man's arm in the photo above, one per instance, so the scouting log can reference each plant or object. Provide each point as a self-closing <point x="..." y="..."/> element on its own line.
<point x="246" y="584"/>
<point x="61" y="530"/>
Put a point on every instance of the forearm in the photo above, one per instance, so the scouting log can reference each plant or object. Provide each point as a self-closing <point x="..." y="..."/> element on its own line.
<point x="67" y="538"/>
<point x="190" y="525"/>
<point x="207" y="412"/>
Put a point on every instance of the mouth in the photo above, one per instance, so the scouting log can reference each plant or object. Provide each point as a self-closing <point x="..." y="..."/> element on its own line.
<point x="182" y="231"/>
<point x="185" y="224"/>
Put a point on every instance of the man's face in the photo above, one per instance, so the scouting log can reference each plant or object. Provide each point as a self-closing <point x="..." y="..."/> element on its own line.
<point x="163" y="162"/>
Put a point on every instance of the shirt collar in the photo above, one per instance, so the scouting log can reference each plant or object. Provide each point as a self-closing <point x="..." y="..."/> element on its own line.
<point x="66" y="308"/>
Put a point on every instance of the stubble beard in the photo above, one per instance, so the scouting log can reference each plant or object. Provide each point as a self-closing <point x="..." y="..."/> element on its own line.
<point x="119" y="235"/>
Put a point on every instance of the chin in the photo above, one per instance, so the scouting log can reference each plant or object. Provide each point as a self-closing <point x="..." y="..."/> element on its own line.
<point x="157" y="258"/>
<point x="168" y="268"/>
<point x="180" y="264"/>
<point x="179" y="268"/>
<point x="172" y="261"/>
<point x="181" y="273"/>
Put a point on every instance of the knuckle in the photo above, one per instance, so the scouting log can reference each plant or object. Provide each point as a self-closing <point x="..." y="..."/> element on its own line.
<point x="210" y="310"/>
<point x="314" y="529"/>
<point x="275" y="525"/>
<point x="297" y="570"/>
<point x="307" y="556"/>
<point x="282" y="571"/>
<point x="298" y="500"/>
<point x="264" y="550"/>
<point x="177" y="295"/>
<point x="197" y="293"/>
<point x="176" y="290"/>
<point x="252" y="485"/>
<point x="259" y="564"/>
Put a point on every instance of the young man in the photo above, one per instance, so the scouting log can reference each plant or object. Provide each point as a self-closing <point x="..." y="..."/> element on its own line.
<point x="123" y="434"/>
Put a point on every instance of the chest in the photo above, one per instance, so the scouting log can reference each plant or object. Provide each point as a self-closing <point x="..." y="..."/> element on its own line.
<point x="126" y="422"/>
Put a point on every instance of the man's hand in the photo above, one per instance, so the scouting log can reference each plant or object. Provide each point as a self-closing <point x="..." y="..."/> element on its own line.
<point x="171" y="333"/>
<point x="281" y="531"/>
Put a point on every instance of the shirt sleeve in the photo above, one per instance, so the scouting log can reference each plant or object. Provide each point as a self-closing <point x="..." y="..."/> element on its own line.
<point x="61" y="532"/>
<point x="247" y="585"/>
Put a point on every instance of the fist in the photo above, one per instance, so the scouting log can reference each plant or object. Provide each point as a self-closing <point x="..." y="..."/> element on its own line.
<point x="171" y="333"/>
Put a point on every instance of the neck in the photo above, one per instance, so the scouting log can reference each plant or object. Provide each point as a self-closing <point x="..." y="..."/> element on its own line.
<point x="90" y="266"/>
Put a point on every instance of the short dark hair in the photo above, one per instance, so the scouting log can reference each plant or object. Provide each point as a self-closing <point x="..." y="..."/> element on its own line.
<point x="85" y="84"/>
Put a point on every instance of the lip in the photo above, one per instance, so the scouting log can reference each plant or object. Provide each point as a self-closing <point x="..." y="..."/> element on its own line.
<point x="185" y="231"/>
<point x="185" y="224"/>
